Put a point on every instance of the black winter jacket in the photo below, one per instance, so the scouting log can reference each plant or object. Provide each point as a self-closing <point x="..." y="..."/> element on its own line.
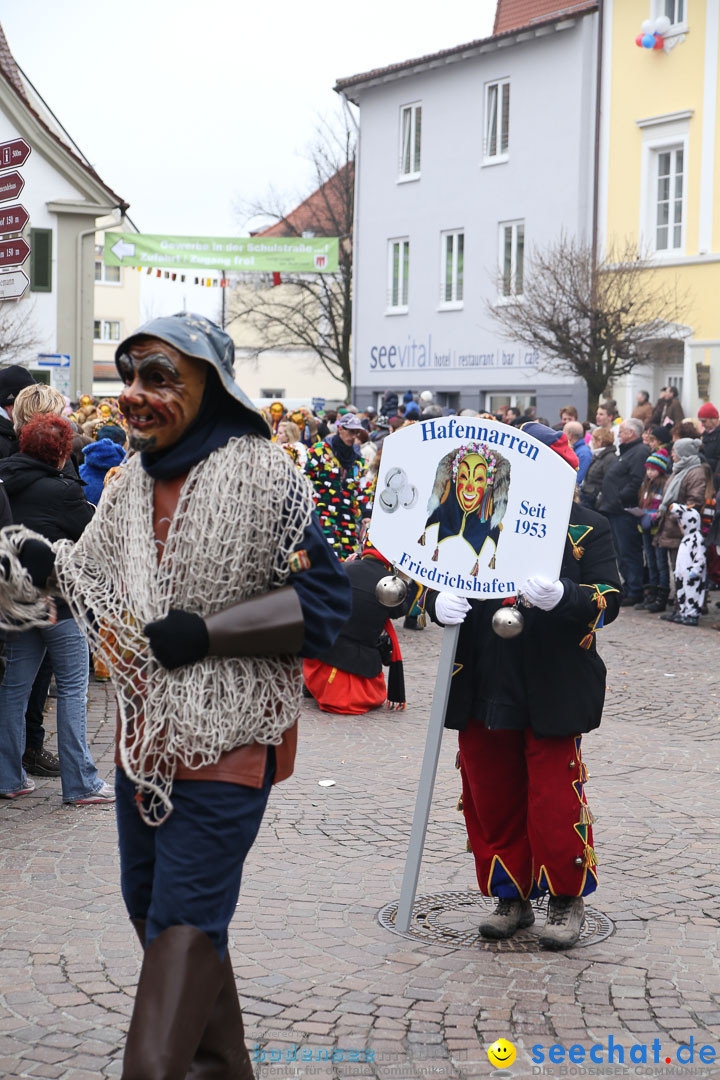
<point x="710" y="449"/>
<point x="622" y="481"/>
<point x="542" y="678"/>
<point x="357" y="649"/>
<point x="596" y="470"/>
<point x="8" y="439"/>
<point x="47" y="500"/>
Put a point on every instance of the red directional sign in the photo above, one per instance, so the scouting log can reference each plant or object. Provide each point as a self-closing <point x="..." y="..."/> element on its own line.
<point x="13" y="153"/>
<point x="13" y="219"/>
<point x="11" y="184"/>
<point x="13" y="252"/>
<point x="13" y="285"/>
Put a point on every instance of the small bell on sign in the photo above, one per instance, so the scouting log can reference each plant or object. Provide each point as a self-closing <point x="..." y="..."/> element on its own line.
<point x="391" y="590"/>
<point x="508" y="622"/>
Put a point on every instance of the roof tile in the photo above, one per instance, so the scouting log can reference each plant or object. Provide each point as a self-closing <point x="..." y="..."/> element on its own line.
<point x="514" y="14"/>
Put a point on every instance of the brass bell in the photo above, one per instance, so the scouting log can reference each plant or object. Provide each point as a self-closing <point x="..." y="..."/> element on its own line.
<point x="508" y="622"/>
<point x="391" y="590"/>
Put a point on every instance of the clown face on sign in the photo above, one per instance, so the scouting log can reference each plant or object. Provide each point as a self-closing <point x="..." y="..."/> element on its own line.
<point x="469" y="499"/>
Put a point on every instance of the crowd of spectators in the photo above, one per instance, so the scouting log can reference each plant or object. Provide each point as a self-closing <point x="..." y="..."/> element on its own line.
<point x="53" y="460"/>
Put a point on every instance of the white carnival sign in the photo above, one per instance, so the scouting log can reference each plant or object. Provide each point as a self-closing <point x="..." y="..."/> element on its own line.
<point x="471" y="506"/>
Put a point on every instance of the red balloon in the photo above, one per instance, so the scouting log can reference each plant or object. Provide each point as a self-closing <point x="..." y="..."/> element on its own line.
<point x="638" y="40"/>
<point x="659" y="41"/>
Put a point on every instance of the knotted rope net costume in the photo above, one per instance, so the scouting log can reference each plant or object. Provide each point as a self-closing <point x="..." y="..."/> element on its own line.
<point x="241" y="513"/>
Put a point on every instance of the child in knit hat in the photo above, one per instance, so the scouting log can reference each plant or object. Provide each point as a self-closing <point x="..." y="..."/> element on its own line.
<point x="650" y="496"/>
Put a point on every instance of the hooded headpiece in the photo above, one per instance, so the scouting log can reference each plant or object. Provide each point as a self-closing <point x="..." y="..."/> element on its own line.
<point x="198" y="337"/>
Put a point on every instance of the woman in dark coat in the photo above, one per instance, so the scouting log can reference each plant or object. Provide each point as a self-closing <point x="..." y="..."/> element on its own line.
<point x="521" y="706"/>
<point x="47" y="500"/>
<point x="604" y="455"/>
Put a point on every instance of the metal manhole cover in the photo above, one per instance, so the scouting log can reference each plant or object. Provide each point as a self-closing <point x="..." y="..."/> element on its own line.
<point x="452" y="918"/>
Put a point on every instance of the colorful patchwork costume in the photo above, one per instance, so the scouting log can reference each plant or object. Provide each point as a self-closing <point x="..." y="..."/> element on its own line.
<point x="340" y="500"/>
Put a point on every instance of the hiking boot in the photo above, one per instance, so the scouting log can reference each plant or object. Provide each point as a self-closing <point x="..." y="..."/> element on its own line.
<point x="564" y="922"/>
<point x="41" y="763"/>
<point x="659" y="602"/>
<point x="508" y="916"/>
<point x="648" y="599"/>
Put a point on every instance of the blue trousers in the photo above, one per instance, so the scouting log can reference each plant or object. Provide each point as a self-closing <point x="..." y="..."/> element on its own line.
<point x="68" y="654"/>
<point x="656" y="561"/>
<point x="629" y="551"/>
<point x="187" y="871"/>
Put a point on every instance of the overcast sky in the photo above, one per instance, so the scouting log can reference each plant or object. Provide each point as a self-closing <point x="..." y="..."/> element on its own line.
<point x="185" y="107"/>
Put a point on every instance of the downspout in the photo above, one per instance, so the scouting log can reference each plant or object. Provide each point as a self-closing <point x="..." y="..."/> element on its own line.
<point x="596" y="156"/>
<point x="79" y="290"/>
<point x="355" y="248"/>
<point x="596" y="167"/>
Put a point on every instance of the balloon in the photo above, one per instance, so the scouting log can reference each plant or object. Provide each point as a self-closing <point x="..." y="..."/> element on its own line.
<point x="638" y="40"/>
<point x="659" y="41"/>
<point x="648" y="41"/>
<point x="662" y="25"/>
<point x="648" y="26"/>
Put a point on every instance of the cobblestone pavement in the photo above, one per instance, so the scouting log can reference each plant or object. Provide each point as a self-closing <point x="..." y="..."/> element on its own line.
<point x="318" y="974"/>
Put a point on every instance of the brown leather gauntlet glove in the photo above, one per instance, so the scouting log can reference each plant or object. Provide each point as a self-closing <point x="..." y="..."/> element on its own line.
<point x="267" y="625"/>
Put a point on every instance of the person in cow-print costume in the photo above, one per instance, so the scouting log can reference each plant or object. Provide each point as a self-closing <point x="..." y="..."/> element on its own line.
<point x="690" y="568"/>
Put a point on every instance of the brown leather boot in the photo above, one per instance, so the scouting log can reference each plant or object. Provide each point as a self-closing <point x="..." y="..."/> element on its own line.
<point x="180" y="981"/>
<point x="222" y="1054"/>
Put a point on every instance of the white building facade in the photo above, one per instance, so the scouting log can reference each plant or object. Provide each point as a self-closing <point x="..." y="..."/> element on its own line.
<point x="65" y="199"/>
<point x="467" y="160"/>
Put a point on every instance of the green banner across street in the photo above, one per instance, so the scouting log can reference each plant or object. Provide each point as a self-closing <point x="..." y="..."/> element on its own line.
<point x="252" y="254"/>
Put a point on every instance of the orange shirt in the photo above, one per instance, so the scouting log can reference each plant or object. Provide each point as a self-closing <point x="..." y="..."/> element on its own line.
<point x="245" y="764"/>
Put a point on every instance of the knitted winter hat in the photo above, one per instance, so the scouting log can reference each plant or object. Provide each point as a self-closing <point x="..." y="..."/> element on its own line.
<point x="556" y="440"/>
<point x="687" y="447"/>
<point x="659" y="459"/>
<point x="708" y="412"/>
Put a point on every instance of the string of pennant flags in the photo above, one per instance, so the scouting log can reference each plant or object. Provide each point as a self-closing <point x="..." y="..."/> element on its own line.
<point x="208" y="282"/>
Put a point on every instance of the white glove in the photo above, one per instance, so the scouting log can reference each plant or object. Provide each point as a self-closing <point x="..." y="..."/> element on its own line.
<point x="543" y="593"/>
<point x="451" y="609"/>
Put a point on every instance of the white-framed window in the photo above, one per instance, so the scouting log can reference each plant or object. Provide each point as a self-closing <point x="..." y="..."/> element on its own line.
<point x="398" y="274"/>
<point x="106" y="275"/>
<point x="496" y="146"/>
<point x="512" y="259"/>
<point x="668" y="171"/>
<point x="676" y="11"/>
<point x="410" y="140"/>
<point x="106" y="330"/>
<point x="495" y="401"/>
<point x="452" y="262"/>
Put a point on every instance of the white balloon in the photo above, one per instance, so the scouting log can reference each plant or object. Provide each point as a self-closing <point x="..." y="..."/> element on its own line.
<point x="662" y="25"/>
<point x="648" y="26"/>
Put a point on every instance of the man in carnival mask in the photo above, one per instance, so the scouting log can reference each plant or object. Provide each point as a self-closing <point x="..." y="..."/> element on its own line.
<point x="204" y="577"/>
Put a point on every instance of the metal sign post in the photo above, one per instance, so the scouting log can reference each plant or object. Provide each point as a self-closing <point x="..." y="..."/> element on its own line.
<point x="428" y="771"/>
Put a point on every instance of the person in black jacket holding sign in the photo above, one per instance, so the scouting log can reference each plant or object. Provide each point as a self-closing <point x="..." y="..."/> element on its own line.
<point x="522" y="705"/>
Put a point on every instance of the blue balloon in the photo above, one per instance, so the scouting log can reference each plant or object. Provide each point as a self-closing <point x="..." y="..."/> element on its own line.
<point x="648" y="41"/>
